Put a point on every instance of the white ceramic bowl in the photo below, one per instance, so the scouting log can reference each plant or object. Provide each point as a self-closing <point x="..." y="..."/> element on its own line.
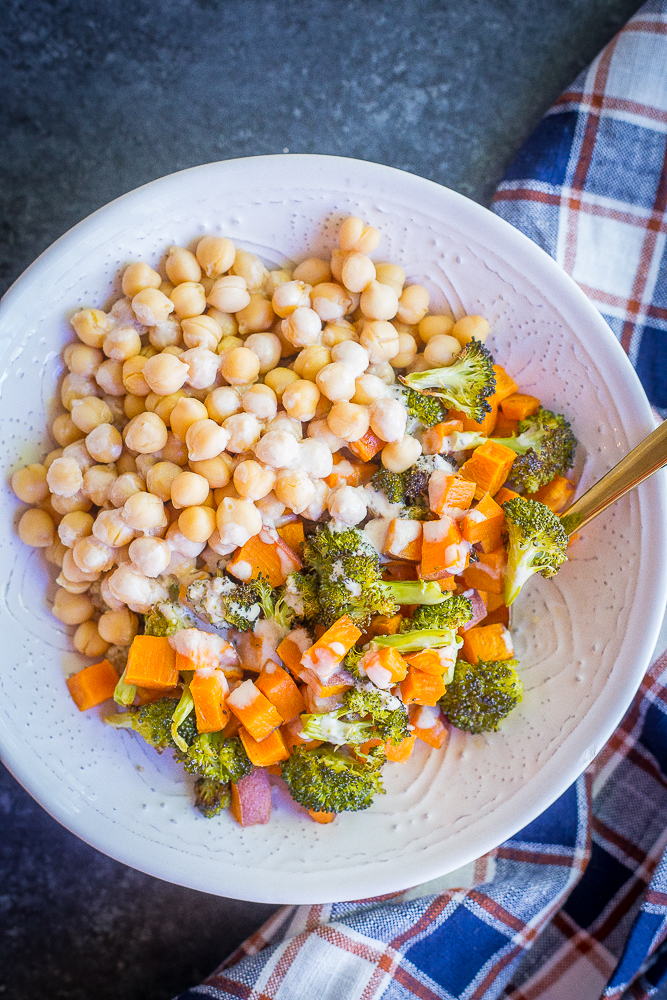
<point x="584" y="639"/>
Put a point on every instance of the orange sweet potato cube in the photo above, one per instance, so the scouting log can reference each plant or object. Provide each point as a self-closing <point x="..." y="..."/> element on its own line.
<point x="441" y="549"/>
<point x="282" y="692"/>
<point x="400" y="752"/>
<point x="388" y="660"/>
<point x="432" y="661"/>
<point x="505" y="386"/>
<point x="404" y="539"/>
<point x="208" y="693"/>
<point x="488" y="643"/>
<point x="272" y="560"/>
<point x="332" y="645"/>
<point x="419" y="688"/>
<point x="433" y="439"/>
<point x="483" y="525"/>
<point x="292" y="534"/>
<point x="446" y="492"/>
<point x="503" y="495"/>
<point x="322" y="817"/>
<point x="488" y="467"/>
<point x="555" y="495"/>
<point x="518" y="406"/>
<point x="253" y="710"/>
<point x="367" y="446"/>
<point x="487" y="572"/>
<point x="505" y="427"/>
<point x="484" y="426"/>
<point x="429" y="726"/>
<point x="92" y="685"/>
<point x="152" y="663"/>
<point x="270" y="750"/>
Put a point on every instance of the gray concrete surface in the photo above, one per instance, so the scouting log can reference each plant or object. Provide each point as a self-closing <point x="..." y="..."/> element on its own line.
<point x="100" y="96"/>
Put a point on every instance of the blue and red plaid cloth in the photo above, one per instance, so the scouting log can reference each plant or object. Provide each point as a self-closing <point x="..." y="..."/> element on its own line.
<point x="575" y="906"/>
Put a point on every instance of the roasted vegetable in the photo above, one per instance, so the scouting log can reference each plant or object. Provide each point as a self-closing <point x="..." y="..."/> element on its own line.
<point x="481" y="696"/>
<point x="537" y="543"/>
<point x="328" y="781"/>
<point x="465" y="385"/>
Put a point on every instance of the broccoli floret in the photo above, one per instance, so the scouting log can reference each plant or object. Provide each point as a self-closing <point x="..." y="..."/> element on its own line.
<point x="465" y="385"/>
<point x="390" y="724"/>
<point x="537" y="543"/>
<point x="480" y="696"/>
<point x="392" y="484"/>
<point x="426" y="409"/>
<point x="213" y="756"/>
<point x="166" y="618"/>
<point x="451" y="613"/>
<point x="124" y="693"/>
<point x="222" y="602"/>
<point x="211" y="796"/>
<point x="407" y="488"/>
<point x="416" y="639"/>
<point x="348" y="571"/>
<point x="332" y="727"/>
<point x="300" y="594"/>
<point x="545" y="448"/>
<point x="351" y="662"/>
<point x="328" y="781"/>
<point x="154" y="723"/>
<point x="273" y="604"/>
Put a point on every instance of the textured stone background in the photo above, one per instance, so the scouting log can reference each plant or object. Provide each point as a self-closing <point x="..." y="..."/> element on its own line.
<point x="100" y="96"/>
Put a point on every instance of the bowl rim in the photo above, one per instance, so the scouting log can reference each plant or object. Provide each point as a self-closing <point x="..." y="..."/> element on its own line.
<point x="525" y="256"/>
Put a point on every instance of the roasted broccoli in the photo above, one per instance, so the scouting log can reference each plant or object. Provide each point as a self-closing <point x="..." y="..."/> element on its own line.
<point x="537" y="543"/>
<point x="389" y="718"/>
<point x="222" y="602"/>
<point x="392" y="484"/>
<point x="465" y="385"/>
<point x="211" y="796"/>
<point x="414" y="591"/>
<point x="409" y="488"/>
<point x="154" y="723"/>
<point x="480" y="696"/>
<point x="213" y="756"/>
<point x="124" y="693"/>
<point x="332" y="727"/>
<point x="273" y="604"/>
<point x="301" y="595"/>
<point x="166" y="618"/>
<point x="431" y="626"/>
<point x="328" y="781"/>
<point x="351" y="662"/>
<point x="426" y="409"/>
<point x="544" y="446"/>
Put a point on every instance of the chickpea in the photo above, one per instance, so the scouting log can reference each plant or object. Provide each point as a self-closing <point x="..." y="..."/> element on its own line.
<point x="302" y="327"/>
<point x="91" y="555"/>
<point x="138" y="276"/>
<point x="91" y="326"/>
<point x="189" y="490"/>
<point x="165" y="334"/>
<point x="353" y="235"/>
<point x="205" y="439"/>
<point x="400" y="455"/>
<point x="105" y="443"/>
<point x="151" y="306"/>
<point x="72" y="609"/>
<point x="413" y="304"/>
<point x="74" y="526"/>
<point x="97" y="481"/>
<point x="471" y="328"/>
<point x="441" y="350"/>
<point x="388" y="419"/>
<point x="174" y="450"/>
<point x="237" y="521"/>
<point x="315" y="458"/>
<point x="159" y="479"/>
<point x="384" y="371"/>
<point x="270" y="508"/>
<point x="240" y="366"/>
<point x="143" y="511"/>
<point x="323" y="408"/>
<point x="319" y="430"/>
<point x="283" y="422"/>
<point x="300" y="399"/>
<point x="65" y="505"/>
<point x="124" y="487"/>
<point x="368" y="388"/>
<point x="65" y="430"/>
<point x="295" y="489"/>
<point x="179" y="543"/>
<point x="88" y="641"/>
<point x="134" y="405"/>
<point x="249" y="267"/>
<point x="227" y="322"/>
<point x="286" y="348"/>
<point x="145" y="434"/>
<point x="260" y="400"/>
<point x="122" y="342"/>
<point x="144" y="463"/>
<point x="348" y="420"/>
<point x="189" y="299"/>
<point x="82" y="360"/>
<point x="253" y="481"/>
<point x="89" y="412"/>
<point x="290" y="296"/>
<point x="181" y="266"/>
<point x="379" y="301"/>
<point x="330" y="301"/>
<point x="229" y="294"/>
<point x="215" y="471"/>
<point x="163" y="374"/>
<point x="337" y="261"/>
<point x="226" y="345"/>
<point x="407" y="351"/>
<point x="164" y="405"/>
<point x="110" y="528"/>
<point x="118" y="627"/>
<point x="78" y="451"/>
<point x="109" y="377"/>
<point x="73" y="573"/>
<point x="36" y="528"/>
<point x="380" y="340"/>
<point x="215" y="254"/>
<point x="278" y="448"/>
<point x="434" y="326"/>
<point x="30" y="484"/>
<point x="197" y="523"/>
<point x="336" y="381"/>
<point x="76" y="387"/>
<point x="346" y="505"/>
<point x="268" y="349"/>
<point x="64" y="477"/>
<point x="201" y="331"/>
<point x="357" y="272"/>
<point x="55" y="553"/>
<point x="222" y="403"/>
<point x="352" y="355"/>
<point x="150" y="556"/>
<point x="337" y="332"/>
<point x="310" y="361"/>
<point x="275" y="279"/>
<point x="392" y="275"/>
<point x="279" y="379"/>
<point x="185" y="413"/>
<point x="313" y="271"/>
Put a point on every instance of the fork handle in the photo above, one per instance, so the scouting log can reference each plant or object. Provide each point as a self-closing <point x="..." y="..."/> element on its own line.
<point x="649" y="456"/>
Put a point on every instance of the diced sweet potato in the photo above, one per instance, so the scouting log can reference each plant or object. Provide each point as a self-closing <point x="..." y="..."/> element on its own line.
<point x="292" y="534"/>
<point x="367" y="446"/>
<point x="251" y="798"/>
<point x="400" y="752"/>
<point x="503" y="495"/>
<point x="429" y="726"/>
<point x="282" y="692"/>
<point x="504" y="426"/>
<point x="483" y="525"/>
<point x="419" y="688"/>
<point x="384" y="666"/>
<point x="336" y="683"/>
<point x="518" y="406"/>
<point x="484" y="426"/>
<point x="488" y="643"/>
<point x="262" y="555"/>
<point x="292" y="648"/>
<point x="399" y="571"/>
<point x="499" y="616"/>
<point x="487" y="572"/>
<point x="436" y="662"/>
<point x="208" y="690"/>
<point x="381" y="625"/>
<point x="322" y="817"/>
<point x="254" y="710"/>
<point x="324" y="655"/>
<point x="270" y="750"/>
<point x="152" y="663"/>
<point x="404" y="539"/>
<point x="505" y="386"/>
<point x="443" y="550"/>
<point x="446" y="492"/>
<point x="555" y="495"/>
<point x="433" y="439"/>
<point x="488" y="467"/>
<point x="254" y="651"/>
<point x="92" y="685"/>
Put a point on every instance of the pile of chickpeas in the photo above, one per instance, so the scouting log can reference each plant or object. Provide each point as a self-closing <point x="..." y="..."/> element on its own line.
<point x="207" y="405"/>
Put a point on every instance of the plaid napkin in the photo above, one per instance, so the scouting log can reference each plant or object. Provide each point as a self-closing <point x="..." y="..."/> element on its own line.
<point x="575" y="906"/>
